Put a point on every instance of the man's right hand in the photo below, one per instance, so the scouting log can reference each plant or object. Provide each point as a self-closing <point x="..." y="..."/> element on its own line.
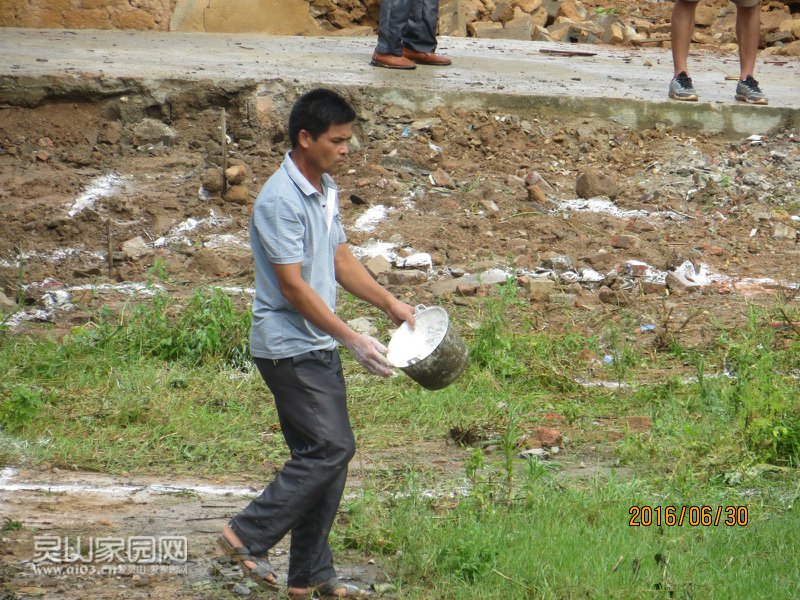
<point x="369" y="353"/>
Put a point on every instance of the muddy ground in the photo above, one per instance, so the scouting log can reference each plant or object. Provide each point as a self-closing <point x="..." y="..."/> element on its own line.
<point x="442" y="196"/>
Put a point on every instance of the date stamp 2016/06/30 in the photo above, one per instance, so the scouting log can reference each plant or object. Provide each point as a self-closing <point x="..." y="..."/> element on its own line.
<point x="693" y="516"/>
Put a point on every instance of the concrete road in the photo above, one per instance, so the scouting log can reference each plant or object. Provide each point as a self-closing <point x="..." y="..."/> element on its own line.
<point x="625" y="84"/>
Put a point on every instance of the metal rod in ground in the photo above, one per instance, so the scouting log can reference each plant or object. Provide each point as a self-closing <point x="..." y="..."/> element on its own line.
<point x="20" y="277"/>
<point x="224" y="154"/>
<point x="110" y="256"/>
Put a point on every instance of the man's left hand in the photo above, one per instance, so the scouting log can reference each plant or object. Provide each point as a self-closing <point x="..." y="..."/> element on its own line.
<point x="400" y="312"/>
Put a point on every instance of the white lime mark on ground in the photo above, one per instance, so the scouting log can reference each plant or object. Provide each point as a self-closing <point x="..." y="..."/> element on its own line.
<point x="605" y="206"/>
<point x="104" y="186"/>
<point x="370" y="219"/>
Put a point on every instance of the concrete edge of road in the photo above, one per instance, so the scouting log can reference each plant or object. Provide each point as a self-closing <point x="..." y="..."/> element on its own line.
<point x="726" y="120"/>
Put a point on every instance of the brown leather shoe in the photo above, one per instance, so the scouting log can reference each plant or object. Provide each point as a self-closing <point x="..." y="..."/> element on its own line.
<point x="426" y="58"/>
<point x="390" y="61"/>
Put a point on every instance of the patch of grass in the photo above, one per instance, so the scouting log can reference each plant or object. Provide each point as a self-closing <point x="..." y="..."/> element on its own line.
<point x="19" y="406"/>
<point x="209" y="329"/>
<point x="10" y="525"/>
<point x="577" y="543"/>
<point x="167" y="388"/>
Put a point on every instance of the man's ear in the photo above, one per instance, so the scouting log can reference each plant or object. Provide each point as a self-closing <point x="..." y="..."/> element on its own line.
<point x="304" y="139"/>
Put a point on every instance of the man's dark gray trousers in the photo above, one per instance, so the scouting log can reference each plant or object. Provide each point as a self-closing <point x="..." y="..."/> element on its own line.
<point x="410" y="23"/>
<point x="310" y="398"/>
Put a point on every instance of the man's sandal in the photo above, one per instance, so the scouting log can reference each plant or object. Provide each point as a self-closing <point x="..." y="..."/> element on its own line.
<point x="329" y="590"/>
<point x="259" y="573"/>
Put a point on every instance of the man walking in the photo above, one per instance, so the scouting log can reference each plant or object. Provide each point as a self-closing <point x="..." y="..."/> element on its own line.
<point x="407" y="35"/>
<point x="300" y="254"/>
<point x="748" y="30"/>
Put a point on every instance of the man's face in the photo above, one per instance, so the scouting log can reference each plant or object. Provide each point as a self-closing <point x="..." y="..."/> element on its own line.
<point x="329" y="151"/>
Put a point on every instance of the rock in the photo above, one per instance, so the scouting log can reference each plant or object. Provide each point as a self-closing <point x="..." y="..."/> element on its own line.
<point x="615" y="297"/>
<point x="443" y="179"/>
<point x="540" y="34"/>
<point x="705" y="15"/>
<point x="485" y="29"/>
<point x="792" y="26"/>
<point x="111" y="133"/>
<point x="572" y="10"/>
<point x="625" y="242"/>
<point x="490" y="206"/>
<point x="635" y="268"/>
<point x="614" y="34"/>
<point x="535" y="180"/>
<point x="539" y="289"/>
<point x="585" y="32"/>
<point x="363" y="326"/>
<point x="772" y="20"/>
<point x="539" y="19"/>
<point x="653" y="287"/>
<point x="534" y="452"/>
<point x="467" y="289"/>
<point x="792" y="49"/>
<point x="503" y="13"/>
<point x="518" y="28"/>
<point x="5" y="301"/>
<point x="377" y="265"/>
<point x="639" y="225"/>
<point x="558" y="263"/>
<point x="542" y="437"/>
<point x="426" y="124"/>
<point x="592" y="183"/>
<point x="151" y="132"/>
<point x="631" y="35"/>
<point x="235" y="174"/>
<point x="782" y="231"/>
<point x="779" y="38"/>
<point x="677" y="282"/>
<point x="452" y="18"/>
<point x="517" y="245"/>
<point x="237" y="194"/>
<point x="135" y="248"/>
<point x="444" y="287"/>
<point x="206" y="262"/>
<point x="551" y="6"/>
<point x="406" y="277"/>
<point x="528" y="6"/>
<point x="212" y="180"/>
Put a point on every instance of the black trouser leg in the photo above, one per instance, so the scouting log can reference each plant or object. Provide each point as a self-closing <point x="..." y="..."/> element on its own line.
<point x="310" y="397"/>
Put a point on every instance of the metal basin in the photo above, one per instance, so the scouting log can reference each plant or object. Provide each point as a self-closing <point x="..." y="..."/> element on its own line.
<point x="432" y="353"/>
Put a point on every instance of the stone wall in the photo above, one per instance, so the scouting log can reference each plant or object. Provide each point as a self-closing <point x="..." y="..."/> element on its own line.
<point x="87" y="14"/>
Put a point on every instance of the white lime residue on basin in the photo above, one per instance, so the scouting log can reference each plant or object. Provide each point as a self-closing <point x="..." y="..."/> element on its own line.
<point x="408" y="346"/>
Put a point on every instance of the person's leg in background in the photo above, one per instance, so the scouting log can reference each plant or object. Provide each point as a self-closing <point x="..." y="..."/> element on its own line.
<point x="393" y="21"/>
<point x="748" y="33"/>
<point x="682" y="28"/>
<point x="419" y="36"/>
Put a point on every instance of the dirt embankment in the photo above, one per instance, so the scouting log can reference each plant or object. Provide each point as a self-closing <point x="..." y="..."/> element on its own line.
<point x="432" y="203"/>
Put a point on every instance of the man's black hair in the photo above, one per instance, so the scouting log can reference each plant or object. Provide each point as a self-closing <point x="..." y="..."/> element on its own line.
<point x="316" y="111"/>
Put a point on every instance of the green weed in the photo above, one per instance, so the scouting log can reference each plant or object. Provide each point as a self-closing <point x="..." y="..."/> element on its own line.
<point x="10" y="525"/>
<point x="208" y="329"/>
<point x="19" y="407"/>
